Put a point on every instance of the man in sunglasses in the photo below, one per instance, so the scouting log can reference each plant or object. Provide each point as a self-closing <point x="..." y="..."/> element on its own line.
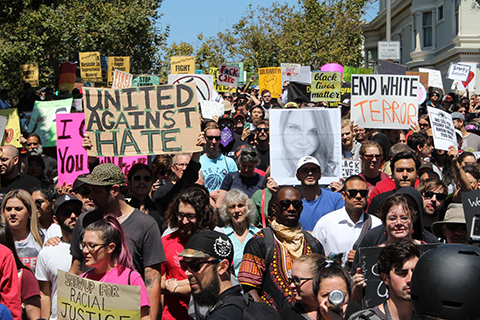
<point x="263" y="145"/>
<point x="82" y="192"/>
<point x="339" y="230"/>
<point x="434" y="193"/>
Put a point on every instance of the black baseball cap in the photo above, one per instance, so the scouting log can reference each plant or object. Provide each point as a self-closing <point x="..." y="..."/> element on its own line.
<point x="208" y="243"/>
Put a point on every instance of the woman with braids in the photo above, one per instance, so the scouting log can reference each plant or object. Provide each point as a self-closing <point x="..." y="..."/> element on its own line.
<point x="106" y="251"/>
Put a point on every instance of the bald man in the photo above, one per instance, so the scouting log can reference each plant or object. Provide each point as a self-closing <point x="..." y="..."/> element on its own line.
<point x="11" y="178"/>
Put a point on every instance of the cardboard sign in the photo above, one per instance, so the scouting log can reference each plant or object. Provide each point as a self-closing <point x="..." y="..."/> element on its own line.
<point x="384" y="101"/>
<point x="81" y="298"/>
<point x="124" y="163"/>
<point x="422" y="75"/>
<point x="471" y="79"/>
<point x="457" y="71"/>
<point x="72" y="159"/>
<point x="142" y="121"/>
<point x="121" y="79"/>
<point x="211" y="109"/>
<point x="290" y="70"/>
<point x="442" y="128"/>
<point x="29" y="74"/>
<point x="145" y="80"/>
<point x="350" y="167"/>
<point x="326" y="86"/>
<point x="295" y="133"/>
<point x="348" y="71"/>
<point x="12" y="128"/>
<point x="271" y="79"/>
<point x="182" y="65"/>
<point x="387" y="67"/>
<point x="228" y="75"/>
<point x="43" y="118"/>
<point x="204" y="83"/>
<point x="434" y="77"/>
<point x="388" y="50"/>
<point x="90" y="68"/>
<point x="117" y="63"/>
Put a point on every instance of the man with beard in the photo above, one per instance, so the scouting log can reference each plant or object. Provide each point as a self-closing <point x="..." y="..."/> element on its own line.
<point x="33" y="144"/>
<point x="12" y="178"/>
<point x="44" y="197"/>
<point x="434" y="193"/>
<point x="263" y="145"/>
<point x="82" y="192"/>
<point x="190" y="213"/>
<point x="350" y="147"/>
<point x="396" y="263"/>
<point x="51" y="258"/>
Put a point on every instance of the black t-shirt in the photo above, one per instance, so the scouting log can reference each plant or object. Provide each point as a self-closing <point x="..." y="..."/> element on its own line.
<point x="227" y="311"/>
<point x="264" y="159"/>
<point x="234" y="180"/>
<point x="152" y="209"/>
<point x="22" y="181"/>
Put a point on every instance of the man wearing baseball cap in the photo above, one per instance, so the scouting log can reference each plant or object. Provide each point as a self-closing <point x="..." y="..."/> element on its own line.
<point x="107" y="185"/>
<point x="317" y="201"/>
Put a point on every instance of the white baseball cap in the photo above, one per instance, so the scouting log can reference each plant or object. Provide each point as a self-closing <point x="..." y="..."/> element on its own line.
<point x="305" y="160"/>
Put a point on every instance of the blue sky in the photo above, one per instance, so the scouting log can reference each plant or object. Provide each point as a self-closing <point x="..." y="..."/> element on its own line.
<point x="188" y="18"/>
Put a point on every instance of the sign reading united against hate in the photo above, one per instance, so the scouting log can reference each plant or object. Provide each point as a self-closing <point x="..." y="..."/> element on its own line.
<point x="228" y="75"/>
<point x="12" y="128"/>
<point x="29" y="73"/>
<point x="90" y="67"/>
<point x="182" y="65"/>
<point x="271" y="79"/>
<point x="117" y="63"/>
<point x="384" y="101"/>
<point x="142" y="120"/>
<point x="43" y="120"/>
<point x="442" y="128"/>
<point x="81" y="298"/>
<point x="326" y="86"/>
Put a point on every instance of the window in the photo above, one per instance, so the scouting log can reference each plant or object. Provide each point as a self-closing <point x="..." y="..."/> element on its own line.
<point x="440" y="13"/>
<point x="457" y="6"/>
<point x="427" y="29"/>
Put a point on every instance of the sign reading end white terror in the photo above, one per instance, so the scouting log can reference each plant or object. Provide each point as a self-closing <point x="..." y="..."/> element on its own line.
<point x="142" y="120"/>
<point x="81" y="298"/>
<point x="384" y="101"/>
<point x="442" y="128"/>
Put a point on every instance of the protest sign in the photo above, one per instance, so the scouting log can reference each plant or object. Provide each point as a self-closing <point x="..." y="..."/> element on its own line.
<point x="387" y="67"/>
<point x="388" y="50"/>
<point x="422" y="75"/>
<point x="29" y="73"/>
<point x="384" y="101"/>
<point x="457" y="71"/>
<point x="289" y="71"/>
<point x="350" y="167"/>
<point x="332" y="67"/>
<point x="204" y="82"/>
<point x="142" y="120"/>
<point x="326" y="86"/>
<point x="3" y="125"/>
<point x="299" y="91"/>
<point x="12" y="128"/>
<point x="124" y="163"/>
<point x="145" y="80"/>
<point x="442" y="128"/>
<point x="182" y="65"/>
<point x="295" y="133"/>
<point x="470" y="81"/>
<point x="121" y="79"/>
<point x="434" y="77"/>
<point x="117" y="63"/>
<point x="218" y="87"/>
<point x="72" y="158"/>
<point x="271" y="79"/>
<point x="81" y="298"/>
<point x="198" y="71"/>
<point x="471" y="204"/>
<point x="228" y="75"/>
<point x="211" y="109"/>
<point x="241" y="78"/>
<point x="90" y="68"/>
<point x="43" y="118"/>
<point x="67" y="75"/>
<point x="348" y="71"/>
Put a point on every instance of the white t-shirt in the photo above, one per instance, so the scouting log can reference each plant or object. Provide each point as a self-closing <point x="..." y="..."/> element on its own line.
<point x="49" y="260"/>
<point x="28" y="251"/>
<point x="53" y="231"/>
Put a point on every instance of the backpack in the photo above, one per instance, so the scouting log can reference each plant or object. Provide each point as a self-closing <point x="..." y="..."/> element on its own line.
<point x="252" y="310"/>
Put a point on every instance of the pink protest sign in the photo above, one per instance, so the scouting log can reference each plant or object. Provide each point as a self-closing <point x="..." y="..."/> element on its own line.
<point x="124" y="162"/>
<point x="332" y="67"/>
<point x="72" y="159"/>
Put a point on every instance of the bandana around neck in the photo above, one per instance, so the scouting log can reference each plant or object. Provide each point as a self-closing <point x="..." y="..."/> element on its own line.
<point x="290" y="237"/>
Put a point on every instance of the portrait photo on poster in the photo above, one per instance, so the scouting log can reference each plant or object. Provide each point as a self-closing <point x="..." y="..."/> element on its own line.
<point x="305" y="132"/>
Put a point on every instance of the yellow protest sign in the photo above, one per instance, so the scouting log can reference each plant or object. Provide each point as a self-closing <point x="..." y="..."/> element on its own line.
<point x="29" y="73"/>
<point x="271" y="79"/>
<point x="326" y="86"/>
<point x="216" y="86"/>
<point x="142" y="120"/>
<point x="81" y="298"/>
<point x="182" y="65"/>
<point x="118" y="63"/>
<point x="12" y="128"/>
<point x="90" y="69"/>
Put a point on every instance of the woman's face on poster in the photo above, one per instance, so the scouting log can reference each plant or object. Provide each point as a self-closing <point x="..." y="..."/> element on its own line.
<point x="301" y="134"/>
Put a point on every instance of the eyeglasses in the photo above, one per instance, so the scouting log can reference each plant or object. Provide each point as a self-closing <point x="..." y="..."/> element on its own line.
<point x="285" y="204"/>
<point x="353" y="192"/>
<point x="195" y="265"/>
<point x="210" y="138"/>
<point x="228" y="97"/>
<point x="90" y="246"/>
<point x="435" y="94"/>
<point x="309" y="169"/>
<point x="371" y="156"/>
<point x="84" y="192"/>
<point x="68" y="212"/>
<point x="137" y="178"/>
<point x="189" y="216"/>
<point x="269" y="96"/>
<point x="430" y="194"/>
<point x="456" y="226"/>
<point x="251" y="153"/>
<point x="181" y="165"/>
<point x="298" y="281"/>
<point x="263" y="129"/>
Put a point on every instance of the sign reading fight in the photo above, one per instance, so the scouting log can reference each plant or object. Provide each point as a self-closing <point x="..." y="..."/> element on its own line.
<point x="384" y="101"/>
<point x="81" y="298"/>
<point x="142" y="120"/>
<point x="271" y="79"/>
<point x="228" y="75"/>
<point x="182" y="65"/>
<point x="90" y="68"/>
<point x="442" y="128"/>
<point x="326" y="86"/>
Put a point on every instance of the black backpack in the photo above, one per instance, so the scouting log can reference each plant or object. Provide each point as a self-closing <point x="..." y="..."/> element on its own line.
<point x="252" y="310"/>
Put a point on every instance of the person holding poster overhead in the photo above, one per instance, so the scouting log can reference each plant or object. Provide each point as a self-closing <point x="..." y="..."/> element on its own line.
<point x="106" y="251"/>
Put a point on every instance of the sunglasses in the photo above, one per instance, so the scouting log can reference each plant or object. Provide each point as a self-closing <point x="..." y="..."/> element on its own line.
<point x="195" y="265"/>
<point x="298" y="281"/>
<point x="353" y="192"/>
<point x="456" y="226"/>
<point x="430" y="194"/>
<point x="85" y="192"/>
<point x="435" y="94"/>
<point x="137" y="178"/>
<point x="371" y="156"/>
<point x="210" y="138"/>
<point x="252" y="153"/>
<point x="308" y="170"/>
<point x="224" y="125"/>
<point x="285" y="204"/>
<point x="263" y="129"/>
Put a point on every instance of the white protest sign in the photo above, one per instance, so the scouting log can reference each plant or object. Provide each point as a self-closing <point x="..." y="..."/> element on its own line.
<point x="204" y="82"/>
<point x="434" y="77"/>
<point x="457" y="71"/>
<point x="384" y="101"/>
<point x="350" y="167"/>
<point x="442" y="128"/>
<point x="470" y="81"/>
<point x="121" y="79"/>
<point x="3" y="125"/>
<point x="304" y="75"/>
<point x="211" y="109"/>
<point x="228" y="75"/>
<point x="290" y="70"/>
<point x="388" y="50"/>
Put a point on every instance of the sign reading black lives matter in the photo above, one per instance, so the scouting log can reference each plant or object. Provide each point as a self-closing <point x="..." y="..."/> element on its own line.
<point x="142" y="120"/>
<point x="442" y="128"/>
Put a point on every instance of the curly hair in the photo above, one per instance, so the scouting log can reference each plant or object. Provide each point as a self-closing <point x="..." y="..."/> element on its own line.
<point x="236" y="196"/>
